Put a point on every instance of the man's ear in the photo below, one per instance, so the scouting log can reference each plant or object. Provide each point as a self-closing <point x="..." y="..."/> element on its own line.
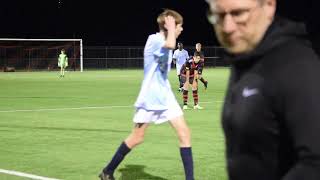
<point x="270" y="8"/>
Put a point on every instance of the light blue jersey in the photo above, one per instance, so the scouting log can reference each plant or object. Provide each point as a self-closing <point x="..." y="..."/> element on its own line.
<point x="156" y="93"/>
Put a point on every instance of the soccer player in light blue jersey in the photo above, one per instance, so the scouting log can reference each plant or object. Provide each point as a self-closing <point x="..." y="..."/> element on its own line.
<point x="180" y="56"/>
<point x="156" y="102"/>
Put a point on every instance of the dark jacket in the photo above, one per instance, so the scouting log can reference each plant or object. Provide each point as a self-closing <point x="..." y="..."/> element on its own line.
<point x="271" y="116"/>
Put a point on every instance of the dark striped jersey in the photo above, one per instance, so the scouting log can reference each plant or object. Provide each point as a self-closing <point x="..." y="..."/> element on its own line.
<point x="191" y="66"/>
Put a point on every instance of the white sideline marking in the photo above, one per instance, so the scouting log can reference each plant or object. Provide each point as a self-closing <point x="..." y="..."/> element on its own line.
<point x="61" y="109"/>
<point x="79" y="108"/>
<point x="21" y="174"/>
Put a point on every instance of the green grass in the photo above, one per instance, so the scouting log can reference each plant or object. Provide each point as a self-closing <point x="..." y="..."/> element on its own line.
<point x="74" y="144"/>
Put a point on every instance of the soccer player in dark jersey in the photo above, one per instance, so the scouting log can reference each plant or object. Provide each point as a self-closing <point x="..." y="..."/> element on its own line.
<point x="189" y="75"/>
<point x="198" y="50"/>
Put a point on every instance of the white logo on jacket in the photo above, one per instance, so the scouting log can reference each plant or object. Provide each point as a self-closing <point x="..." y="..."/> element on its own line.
<point x="249" y="92"/>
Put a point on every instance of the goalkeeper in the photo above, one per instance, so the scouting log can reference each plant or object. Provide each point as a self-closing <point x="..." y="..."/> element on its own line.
<point x="62" y="62"/>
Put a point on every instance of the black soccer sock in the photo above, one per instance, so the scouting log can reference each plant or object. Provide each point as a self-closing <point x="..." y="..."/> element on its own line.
<point x="195" y="97"/>
<point x="202" y="80"/>
<point x="185" y="97"/>
<point x="186" y="155"/>
<point x="180" y="81"/>
<point x="122" y="151"/>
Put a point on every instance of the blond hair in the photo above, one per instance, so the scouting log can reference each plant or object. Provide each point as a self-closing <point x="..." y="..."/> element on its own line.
<point x="168" y="12"/>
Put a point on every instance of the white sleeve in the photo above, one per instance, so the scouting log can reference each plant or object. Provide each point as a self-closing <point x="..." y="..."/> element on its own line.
<point x="158" y="46"/>
<point x="154" y="46"/>
<point x="175" y="54"/>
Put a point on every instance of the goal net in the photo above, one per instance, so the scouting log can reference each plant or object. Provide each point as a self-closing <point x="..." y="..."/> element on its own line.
<point x="39" y="54"/>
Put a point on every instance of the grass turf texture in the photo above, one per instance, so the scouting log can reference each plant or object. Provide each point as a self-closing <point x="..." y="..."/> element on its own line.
<point x="75" y="144"/>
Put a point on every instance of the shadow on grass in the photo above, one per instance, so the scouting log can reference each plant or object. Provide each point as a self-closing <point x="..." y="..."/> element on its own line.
<point x="136" y="172"/>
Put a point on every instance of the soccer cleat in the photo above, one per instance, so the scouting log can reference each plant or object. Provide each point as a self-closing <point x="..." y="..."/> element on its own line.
<point x="104" y="176"/>
<point x="197" y="107"/>
<point x="205" y="85"/>
<point x="185" y="107"/>
<point x="180" y="89"/>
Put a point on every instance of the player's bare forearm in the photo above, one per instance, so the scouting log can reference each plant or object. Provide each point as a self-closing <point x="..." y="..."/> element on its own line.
<point x="187" y="76"/>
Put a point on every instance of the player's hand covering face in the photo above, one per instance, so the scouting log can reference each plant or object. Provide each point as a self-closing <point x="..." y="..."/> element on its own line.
<point x="170" y="23"/>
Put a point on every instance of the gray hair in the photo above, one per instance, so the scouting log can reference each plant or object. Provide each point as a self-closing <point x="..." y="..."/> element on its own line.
<point x="259" y="1"/>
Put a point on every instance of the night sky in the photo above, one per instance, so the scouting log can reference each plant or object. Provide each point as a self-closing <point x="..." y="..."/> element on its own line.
<point x="124" y="23"/>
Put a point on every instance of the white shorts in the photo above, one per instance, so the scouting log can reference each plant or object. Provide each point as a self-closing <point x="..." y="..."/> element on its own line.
<point x="157" y="117"/>
<point x="178" y="67"/>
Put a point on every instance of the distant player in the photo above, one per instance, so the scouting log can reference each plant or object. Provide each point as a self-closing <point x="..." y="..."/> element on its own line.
<point x="198" y="50"/>
<point x="156" y="102"/>
<point x="189" y="76"/>
<point x="180" y="56"/>
<point x="62" y="62"/>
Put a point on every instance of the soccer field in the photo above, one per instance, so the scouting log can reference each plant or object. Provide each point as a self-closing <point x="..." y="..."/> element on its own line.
<point x="69" y="128"/>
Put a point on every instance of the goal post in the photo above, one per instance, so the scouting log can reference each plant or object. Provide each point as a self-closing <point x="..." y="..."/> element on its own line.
<point x="39" y="53"/>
